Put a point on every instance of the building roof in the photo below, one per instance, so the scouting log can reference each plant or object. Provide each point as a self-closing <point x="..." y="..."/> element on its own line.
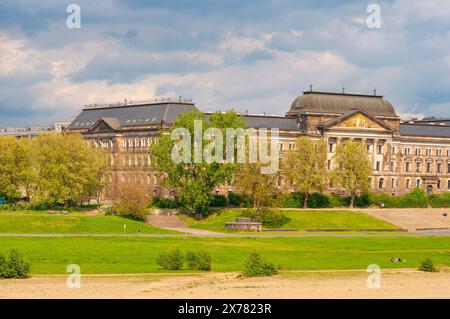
<point x="282" y="123"/>
<point x="131" y="115"/>
<point x="341" y="103"/>
<point x="426" y="130"/>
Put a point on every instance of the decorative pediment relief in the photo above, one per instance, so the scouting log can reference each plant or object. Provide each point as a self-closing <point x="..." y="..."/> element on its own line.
<point x="359" y="121"/>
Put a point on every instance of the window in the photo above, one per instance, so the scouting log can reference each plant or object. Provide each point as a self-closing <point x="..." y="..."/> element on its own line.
<point x="448" y="152"/>
<point x="417" y="151"/>
<point x="329" y="165"/>
<point x="280" y="146"/>
<point x="393" y="183"/>
<point x="418" y="183"/>
<point x="408" y="166"/>
<point x="417" y="167"/>
<point x="330" y="147"/>
<point x="379" y="148"/>
<point x="438" y="152"/>
<point x="392" y="166"/>
<point x="448" y="168"/>
<point x="408" y="183"/>
<point x="439" y="184"/>
<point x="377" y="167"/>
<point x="368" y="148"/>
<point x="428" y="167"/>
<point x="291" y="146"/>
<point x="381" y="183"/>
<point x="393" y="150"/>
<point x="407" y="150"/>
<point x="428" y="152"/>
<point x="448" y="184"/>
<point x="439" y="167"/>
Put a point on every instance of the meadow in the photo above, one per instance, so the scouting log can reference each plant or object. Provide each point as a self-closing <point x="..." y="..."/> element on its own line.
<point x="114" y="255"/>
<point x="74" y="224"/>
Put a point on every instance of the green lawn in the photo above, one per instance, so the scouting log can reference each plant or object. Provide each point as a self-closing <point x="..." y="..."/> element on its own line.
<point x="138" y="254"/>
<point x="74" y="224"/>
<point x="299" y="220"/>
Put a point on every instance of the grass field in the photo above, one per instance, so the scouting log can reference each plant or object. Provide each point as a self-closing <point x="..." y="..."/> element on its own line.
<point x="297" y="220"/>
<point x="138" y="254"/>
<point x="74" y="224"/>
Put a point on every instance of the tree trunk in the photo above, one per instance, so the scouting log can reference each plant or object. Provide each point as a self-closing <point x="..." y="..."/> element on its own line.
<point x="352" y="200"/>
<point x="305" y="200"/>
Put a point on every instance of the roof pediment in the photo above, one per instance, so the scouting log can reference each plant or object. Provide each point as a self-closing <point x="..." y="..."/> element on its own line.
<point x="356" y="120"/>
<point x="105" y="124"/>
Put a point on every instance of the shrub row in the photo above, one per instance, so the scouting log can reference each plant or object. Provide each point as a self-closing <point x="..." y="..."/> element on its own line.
<point x="417" y="198"/>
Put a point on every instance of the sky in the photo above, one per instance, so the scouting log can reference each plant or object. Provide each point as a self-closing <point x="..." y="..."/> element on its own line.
<point x="233" y="54"/>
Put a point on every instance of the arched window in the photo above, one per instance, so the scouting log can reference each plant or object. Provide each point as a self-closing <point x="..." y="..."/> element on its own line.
<point x="381" y="183"/>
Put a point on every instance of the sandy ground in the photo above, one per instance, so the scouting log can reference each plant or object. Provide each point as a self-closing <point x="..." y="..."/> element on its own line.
<point x="339" y="284"/>
<point x="413" y="218"/>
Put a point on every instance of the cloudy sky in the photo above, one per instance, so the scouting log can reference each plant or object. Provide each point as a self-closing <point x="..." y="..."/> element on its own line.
<point x="255" y="55"/>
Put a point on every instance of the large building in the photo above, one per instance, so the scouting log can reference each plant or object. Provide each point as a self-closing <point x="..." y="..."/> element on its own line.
<point x="404" y="155"/>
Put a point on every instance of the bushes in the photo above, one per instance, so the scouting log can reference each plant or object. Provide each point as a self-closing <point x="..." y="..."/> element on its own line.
<point x="438" y="201"/>
<point x="269" y="218"/>
<point x="13" y="265"/>
<point x="219" y="201"/>
<point x="170" y="260"/>
<point x="428" y="266"/>
<point x="164" y="203"/>
<point x="257" y="267"/>
<point x="130" y="200"/>
<point x="239" y="200"/>
<point x="198" y="261"/>
<point x="174" y="260"/>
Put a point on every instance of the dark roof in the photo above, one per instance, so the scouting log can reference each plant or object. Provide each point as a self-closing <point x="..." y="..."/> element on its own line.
<point x="427" y="130"/>
<point x="436" y="121"/>
<point x="341" y="103"/>
<point x="282" y="123"/>
<point x="131" y="115"/>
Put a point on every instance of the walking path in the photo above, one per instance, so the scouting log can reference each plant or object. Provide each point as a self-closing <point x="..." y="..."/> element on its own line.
<point x="173" y="222"/>
<point x="190" y="232"/>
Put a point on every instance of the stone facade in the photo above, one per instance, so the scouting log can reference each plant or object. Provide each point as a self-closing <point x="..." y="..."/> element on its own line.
<point x="403" y="155"/>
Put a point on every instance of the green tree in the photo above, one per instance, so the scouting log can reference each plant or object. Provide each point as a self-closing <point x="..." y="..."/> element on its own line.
<point x="66" y="168"/>
<point x="261" y="188"/>
<point x="352" y="168"/>
<point x="305" y="167"/>
<point x="15" y="167"/>
<point x="193" y="181"/>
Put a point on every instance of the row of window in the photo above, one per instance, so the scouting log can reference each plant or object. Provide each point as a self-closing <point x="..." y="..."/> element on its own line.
<point x="136" y="160"/>
<point x="137" y="142"/>
<point x="394" y="183"/>
<point x="418" y="151"/>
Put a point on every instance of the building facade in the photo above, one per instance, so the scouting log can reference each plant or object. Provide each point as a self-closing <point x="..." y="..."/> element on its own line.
<point x="404" y="155"/>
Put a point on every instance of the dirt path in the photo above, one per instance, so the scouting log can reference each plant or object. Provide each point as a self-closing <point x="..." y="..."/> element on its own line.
<point x="173" y="222"/>
<point x="394" y="284"/>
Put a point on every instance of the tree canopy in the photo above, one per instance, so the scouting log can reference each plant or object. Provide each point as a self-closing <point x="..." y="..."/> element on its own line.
<point x="203" y="167"/>
<point x="305" y="167"/>
<point x="353" y="168"/>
